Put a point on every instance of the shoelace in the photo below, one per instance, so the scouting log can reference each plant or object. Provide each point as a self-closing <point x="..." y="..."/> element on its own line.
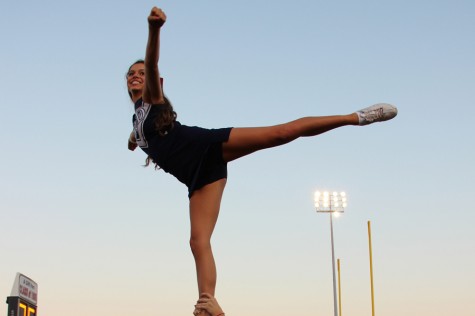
<point x="373" y="115"/>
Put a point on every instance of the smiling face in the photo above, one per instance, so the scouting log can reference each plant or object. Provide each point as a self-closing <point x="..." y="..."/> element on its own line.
<point x="136" y="79"/>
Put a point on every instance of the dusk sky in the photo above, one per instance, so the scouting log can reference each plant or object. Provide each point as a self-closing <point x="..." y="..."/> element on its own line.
<point x="102" y="235"/>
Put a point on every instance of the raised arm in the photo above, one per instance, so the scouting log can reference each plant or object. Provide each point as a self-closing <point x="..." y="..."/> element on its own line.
<point x="152" y="91"/>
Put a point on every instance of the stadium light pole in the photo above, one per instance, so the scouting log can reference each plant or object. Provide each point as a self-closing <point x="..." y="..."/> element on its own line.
<point x="334" y="202"/>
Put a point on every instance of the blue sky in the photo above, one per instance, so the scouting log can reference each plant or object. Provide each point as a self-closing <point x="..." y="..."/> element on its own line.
<point x="101" y="234"/>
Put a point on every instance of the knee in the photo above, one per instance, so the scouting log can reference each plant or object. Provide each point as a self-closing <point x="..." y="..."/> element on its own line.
<point x="285" y="134"/>
<point x="199" y="245"/>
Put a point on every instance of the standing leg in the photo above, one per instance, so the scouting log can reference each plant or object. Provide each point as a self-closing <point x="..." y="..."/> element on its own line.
<point x="204" y="210"/>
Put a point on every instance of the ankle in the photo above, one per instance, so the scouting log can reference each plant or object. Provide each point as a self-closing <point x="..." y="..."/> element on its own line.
<point x="353" y="119"/>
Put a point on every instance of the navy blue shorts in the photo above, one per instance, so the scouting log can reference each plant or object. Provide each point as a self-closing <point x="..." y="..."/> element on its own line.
<point x="213" y="168"/>
<point x="192" y="154"/>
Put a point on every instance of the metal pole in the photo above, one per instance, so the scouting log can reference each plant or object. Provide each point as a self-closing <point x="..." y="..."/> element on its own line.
<point x="339" y="287"/>
<point x="335" y="306"/>
<point x="371" y="268"/>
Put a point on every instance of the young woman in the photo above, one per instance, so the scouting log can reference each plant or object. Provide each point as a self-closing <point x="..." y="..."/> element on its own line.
<point x="198" y="157"/>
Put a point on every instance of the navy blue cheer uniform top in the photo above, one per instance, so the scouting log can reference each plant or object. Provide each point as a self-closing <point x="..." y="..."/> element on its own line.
<point x="192" y="154"/>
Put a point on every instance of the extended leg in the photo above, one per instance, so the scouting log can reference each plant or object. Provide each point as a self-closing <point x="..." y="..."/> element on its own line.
<point x="244" y="141"/>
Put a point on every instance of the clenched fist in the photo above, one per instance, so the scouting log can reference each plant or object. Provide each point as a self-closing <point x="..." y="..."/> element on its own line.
<point x="157" y="17"/>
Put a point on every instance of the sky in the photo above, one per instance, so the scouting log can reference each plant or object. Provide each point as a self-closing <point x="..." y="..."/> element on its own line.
<point x="101" y="234"/>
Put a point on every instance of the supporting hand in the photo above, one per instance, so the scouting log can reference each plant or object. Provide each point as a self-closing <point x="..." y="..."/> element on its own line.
<point x="209" y="303"/>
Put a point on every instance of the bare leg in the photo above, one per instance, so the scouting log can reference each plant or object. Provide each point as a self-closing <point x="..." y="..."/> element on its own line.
<point x="205" y="202"/>
<point x="244" y="141"/>
<point x="204" y="210"/>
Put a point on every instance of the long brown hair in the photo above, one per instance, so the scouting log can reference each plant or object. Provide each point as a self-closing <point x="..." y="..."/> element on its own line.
<point x="165" y="119"/>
